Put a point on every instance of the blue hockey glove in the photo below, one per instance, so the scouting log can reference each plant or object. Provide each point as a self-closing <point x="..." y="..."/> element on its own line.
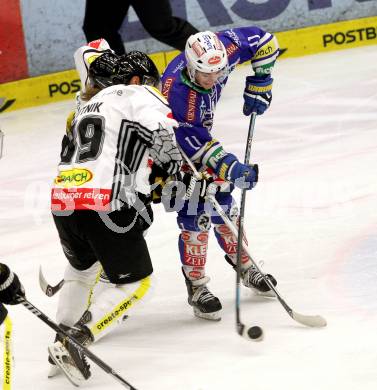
<point x="257" y="94"/>
<point x="243" y="176"/>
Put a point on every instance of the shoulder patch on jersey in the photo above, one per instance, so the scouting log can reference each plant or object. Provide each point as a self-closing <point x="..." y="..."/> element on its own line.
<point x="231" y="49"/>
<point x="167" y="86"/>
<point x="191" y="106"/>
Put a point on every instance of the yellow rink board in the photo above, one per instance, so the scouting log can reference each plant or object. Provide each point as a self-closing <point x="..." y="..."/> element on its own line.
<point x="310" y="40"/>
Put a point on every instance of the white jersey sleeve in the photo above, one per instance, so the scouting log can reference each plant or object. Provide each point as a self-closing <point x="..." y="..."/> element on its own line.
<point x="163" y="147"/>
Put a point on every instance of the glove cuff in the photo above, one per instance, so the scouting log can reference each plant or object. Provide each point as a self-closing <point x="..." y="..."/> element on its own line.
<point x="225" y="166"/>
<point x="3" y="313"/>
<point x="259" y="86"/>
<point x="4" y="275"/>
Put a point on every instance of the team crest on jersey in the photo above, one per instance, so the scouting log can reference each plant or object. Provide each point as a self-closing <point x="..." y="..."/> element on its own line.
<point x="73" y="177"/>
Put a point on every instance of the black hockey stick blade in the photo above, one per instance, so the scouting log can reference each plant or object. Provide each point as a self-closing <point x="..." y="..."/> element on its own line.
<point x="46" y="287"/>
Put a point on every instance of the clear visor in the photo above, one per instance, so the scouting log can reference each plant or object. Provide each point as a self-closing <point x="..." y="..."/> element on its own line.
<point x="207" y="80"/>
<point x="212" y="75"/>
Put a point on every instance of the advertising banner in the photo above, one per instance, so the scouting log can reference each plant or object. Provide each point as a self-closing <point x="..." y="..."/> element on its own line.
<point x="53" y="28"/>
<point x="294" y="43"/>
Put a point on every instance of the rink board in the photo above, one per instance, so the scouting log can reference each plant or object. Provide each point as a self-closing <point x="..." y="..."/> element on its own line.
<point x="310" y="40"/>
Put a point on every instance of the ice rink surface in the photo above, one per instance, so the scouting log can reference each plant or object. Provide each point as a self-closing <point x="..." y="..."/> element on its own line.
<point x="311" y="221"/>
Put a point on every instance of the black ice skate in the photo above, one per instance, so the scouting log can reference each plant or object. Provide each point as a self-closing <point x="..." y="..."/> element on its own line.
<point x="254" y="280"/>
<point x="204" y="303"/>
<point x="70" y="359"/>
<point x="55" y="370"/>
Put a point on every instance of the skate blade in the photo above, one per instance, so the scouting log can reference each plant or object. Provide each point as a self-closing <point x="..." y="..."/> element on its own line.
<point x="53" y="371"/>
<point x="267" y="294"/>
<point x="215" y="316"/>
<point x="59" y="354"/>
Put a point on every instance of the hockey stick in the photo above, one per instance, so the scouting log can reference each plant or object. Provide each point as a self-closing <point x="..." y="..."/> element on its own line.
<point x="316" y="321"/>
<point x="255" y="332"/>
<point x="194" y="178"/>
<point x="250" y="333"/>
<point x="76" y="344"/>
<point x="46" y="287"/>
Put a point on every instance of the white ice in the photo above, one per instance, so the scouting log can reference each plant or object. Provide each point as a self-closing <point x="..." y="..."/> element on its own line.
<point x="311" y="221"/>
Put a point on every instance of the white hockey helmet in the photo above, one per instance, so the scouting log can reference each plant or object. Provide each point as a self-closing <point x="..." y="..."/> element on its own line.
<point x="206" y="53"/>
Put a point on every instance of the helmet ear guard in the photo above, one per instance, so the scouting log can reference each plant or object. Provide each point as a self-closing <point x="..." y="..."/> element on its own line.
<point x="205" y="53"/>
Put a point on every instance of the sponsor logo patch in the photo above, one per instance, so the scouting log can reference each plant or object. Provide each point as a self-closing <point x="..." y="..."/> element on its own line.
<point x="214" y="60"/>
<point x="195" y="274"/>
<point x="191" y="105"/>
<point x="203" y="237"/>
<point x="197" y="49"/>
<point x="231" y="49"/>
<point x="195" y="255"/>
<point x="166" y="87"/>
<point x="73" y="177"/>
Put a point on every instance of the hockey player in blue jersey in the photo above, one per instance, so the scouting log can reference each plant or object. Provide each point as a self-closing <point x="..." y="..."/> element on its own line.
<point x="192" y="83"/>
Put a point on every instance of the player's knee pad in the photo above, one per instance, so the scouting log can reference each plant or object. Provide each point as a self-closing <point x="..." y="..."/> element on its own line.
<point x="87" y="276"/>
<point x="193" y="252"/>
<point x="112" y="303"/>
<point x="194" y="223"/>
<point x="75" y="294"/>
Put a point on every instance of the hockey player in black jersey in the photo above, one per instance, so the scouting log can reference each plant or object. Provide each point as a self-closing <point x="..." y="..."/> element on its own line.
<point x="100" y="198"/>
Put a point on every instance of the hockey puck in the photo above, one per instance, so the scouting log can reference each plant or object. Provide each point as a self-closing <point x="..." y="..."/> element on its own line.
<point x="255" y="333"/>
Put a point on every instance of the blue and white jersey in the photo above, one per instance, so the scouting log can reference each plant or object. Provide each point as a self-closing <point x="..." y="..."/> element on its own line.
<point x="193" y="107"/>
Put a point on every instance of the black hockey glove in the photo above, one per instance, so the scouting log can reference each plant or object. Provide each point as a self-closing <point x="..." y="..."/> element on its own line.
<point x="10" y="286"/>
<point x="3" y="313"/>
<point x="158" y="179"/>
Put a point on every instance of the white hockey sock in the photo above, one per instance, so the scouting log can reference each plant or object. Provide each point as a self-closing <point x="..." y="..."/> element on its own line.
<point x="75" y="294"/>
